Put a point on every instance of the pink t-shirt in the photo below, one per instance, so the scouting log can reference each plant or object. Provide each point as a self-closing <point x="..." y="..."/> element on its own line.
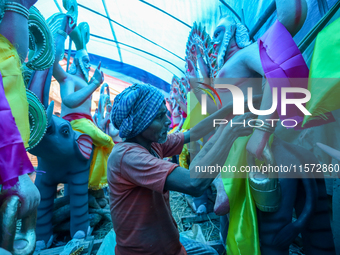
<point x="140" y="207"/>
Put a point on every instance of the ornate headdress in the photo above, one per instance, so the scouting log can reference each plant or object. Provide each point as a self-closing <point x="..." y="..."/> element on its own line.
<point x="55" y="21"/>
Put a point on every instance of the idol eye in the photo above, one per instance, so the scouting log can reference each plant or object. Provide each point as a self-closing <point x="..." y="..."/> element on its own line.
<point x="65" y="130"/>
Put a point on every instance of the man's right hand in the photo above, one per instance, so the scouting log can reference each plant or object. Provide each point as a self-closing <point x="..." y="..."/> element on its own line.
<point x="238" y="130"/>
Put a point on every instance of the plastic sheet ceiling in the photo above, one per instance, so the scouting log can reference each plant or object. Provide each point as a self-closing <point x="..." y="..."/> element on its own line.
<point x="152" y="34"/>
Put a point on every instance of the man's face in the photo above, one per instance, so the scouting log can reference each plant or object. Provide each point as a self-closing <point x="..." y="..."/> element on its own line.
<point x="157" y="131"/>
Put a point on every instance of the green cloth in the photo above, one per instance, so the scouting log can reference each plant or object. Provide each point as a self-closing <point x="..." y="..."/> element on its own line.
<point x="324" y="75"/>
<point x="243" y="237"/>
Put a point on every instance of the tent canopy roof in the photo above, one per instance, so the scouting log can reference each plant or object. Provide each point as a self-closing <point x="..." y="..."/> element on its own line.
<point x="151" y="35"/>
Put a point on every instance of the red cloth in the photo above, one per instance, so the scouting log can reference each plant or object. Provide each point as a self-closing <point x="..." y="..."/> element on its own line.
<point x="140" y="207"/>
<point x="184" y="115"/>
<point x="13" y="157"/>
<point x="77" y="116"/>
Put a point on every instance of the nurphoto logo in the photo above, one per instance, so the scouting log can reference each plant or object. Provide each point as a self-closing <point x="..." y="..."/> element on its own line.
<point x="238" y="103"/>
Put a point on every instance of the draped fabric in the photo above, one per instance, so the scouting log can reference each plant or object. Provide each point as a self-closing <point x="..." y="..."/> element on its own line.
<point x="283" y="64"/>
<point x="14" y="87"/>
<point x="324" y="82"/>
<point x="284" y="67"/>
<point x="243" y="238"/>
<point x="103" y="146"/>
<point x="13" y="157"/>
<point x="14" y="124"/>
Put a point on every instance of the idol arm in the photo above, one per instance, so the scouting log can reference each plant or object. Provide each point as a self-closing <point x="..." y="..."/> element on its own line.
<point x="259" y="138"/>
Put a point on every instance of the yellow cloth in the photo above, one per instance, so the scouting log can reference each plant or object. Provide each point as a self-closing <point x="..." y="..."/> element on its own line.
<point x="324" y="74"/>
<point x="14" y="85"/>
<point x="183" y="157"/>
<point x="103" y="146"/>
<point x="243" y="237"/>
<point x="173" y="130"/>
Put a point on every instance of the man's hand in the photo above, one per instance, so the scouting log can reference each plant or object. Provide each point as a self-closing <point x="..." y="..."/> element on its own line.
<point x="68" y="24"/>
<point x="28" y="194"/>
<point x="98" y="76"/>
<point x="238" y="130"/>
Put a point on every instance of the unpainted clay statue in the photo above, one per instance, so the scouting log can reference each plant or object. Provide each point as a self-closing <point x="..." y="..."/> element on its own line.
<point x="231" y="55"/>
<point x="64" y="156"/>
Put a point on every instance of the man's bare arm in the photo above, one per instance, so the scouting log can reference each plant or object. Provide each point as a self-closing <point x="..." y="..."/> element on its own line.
<point x="205" y="126"/>
<point x="215" y="152"/>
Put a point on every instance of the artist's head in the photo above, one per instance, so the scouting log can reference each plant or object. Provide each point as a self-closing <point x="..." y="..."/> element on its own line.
<point x="81" y="64"/>
<point x="226" y="30"/>
<point x="139" y="113"/>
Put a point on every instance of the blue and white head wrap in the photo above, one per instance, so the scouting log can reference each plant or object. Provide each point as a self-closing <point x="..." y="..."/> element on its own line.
<point x="135" y="108"/>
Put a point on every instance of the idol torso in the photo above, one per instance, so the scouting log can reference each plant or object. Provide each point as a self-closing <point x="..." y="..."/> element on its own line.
<point x="238" y="70"/>
<point x="85" y="107"/>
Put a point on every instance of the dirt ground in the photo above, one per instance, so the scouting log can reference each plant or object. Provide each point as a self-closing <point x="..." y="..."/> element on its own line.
<point x="180" y="208"/>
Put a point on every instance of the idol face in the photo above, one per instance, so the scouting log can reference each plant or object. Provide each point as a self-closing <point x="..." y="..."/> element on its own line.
<point x="85" y="66"/>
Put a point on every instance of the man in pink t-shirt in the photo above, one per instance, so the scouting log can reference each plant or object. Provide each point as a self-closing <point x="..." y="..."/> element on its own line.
<point x="140" y="180"/>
